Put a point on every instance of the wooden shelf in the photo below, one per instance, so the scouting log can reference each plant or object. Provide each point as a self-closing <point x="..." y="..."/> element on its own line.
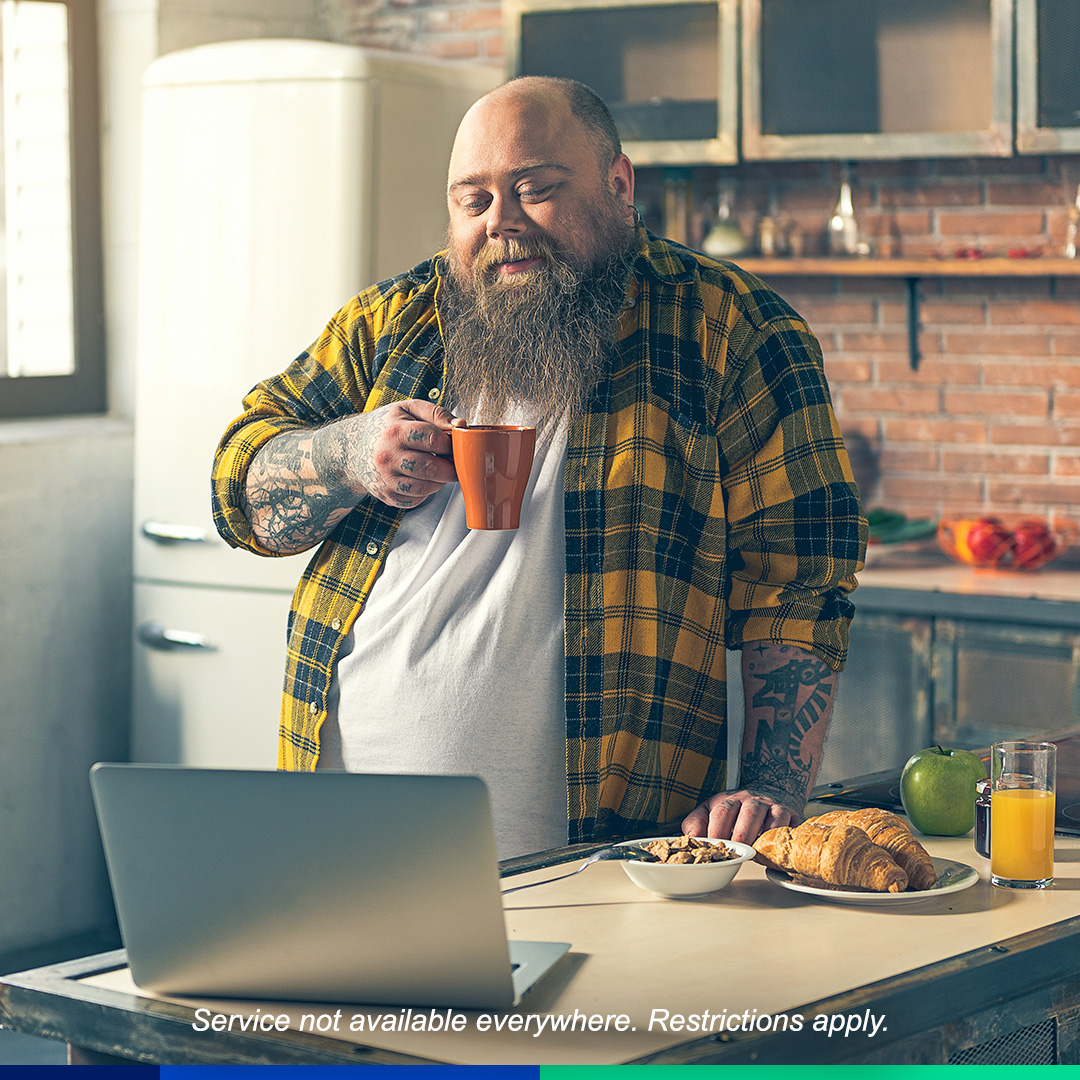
<point x="910" y="268"/>
<point x="912" y="271"/>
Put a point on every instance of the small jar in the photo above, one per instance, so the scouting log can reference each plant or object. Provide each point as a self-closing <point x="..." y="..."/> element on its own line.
<point x="982" y="818"/>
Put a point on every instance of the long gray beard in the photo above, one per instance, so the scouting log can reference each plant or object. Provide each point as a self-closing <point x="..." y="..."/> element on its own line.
<point x="542" y="342"/>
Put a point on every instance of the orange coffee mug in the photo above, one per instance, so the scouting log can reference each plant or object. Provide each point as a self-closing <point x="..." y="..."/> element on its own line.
<point x="493" y="463"/>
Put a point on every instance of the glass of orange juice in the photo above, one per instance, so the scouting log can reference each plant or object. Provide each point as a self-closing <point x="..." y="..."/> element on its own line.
<point x="1022" y="775"/>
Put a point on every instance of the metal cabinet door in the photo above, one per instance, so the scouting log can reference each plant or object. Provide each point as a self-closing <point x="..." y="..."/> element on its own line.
<point x="884" y="699"/>
<point x="996" y="681"/>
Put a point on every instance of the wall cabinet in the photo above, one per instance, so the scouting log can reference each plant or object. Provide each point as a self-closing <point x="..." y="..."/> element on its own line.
<point x="666" y="68"/>
<point x="856" y="79"/>
<point x="1047" y="75"/>
<point x="814" y="79"/>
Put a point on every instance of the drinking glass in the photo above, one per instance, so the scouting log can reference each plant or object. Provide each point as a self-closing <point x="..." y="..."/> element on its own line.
<point x="1022" y="775"/>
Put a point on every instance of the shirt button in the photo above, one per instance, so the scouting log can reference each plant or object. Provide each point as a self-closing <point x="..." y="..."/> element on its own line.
<point x="313" y="708"/>
<point x="336" y="624"/>
<point x="373" y="548"/>
<point x="433" y="393"/>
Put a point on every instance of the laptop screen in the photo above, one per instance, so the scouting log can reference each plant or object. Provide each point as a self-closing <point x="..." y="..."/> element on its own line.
<point x="306" y="886"/>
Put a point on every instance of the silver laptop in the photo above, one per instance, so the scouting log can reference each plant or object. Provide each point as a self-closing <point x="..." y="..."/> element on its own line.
<point x="332" y="887"/>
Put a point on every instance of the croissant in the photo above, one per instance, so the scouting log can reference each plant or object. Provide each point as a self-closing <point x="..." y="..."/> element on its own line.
<point x="836" y="854"/>
<point x="892" y="833"/>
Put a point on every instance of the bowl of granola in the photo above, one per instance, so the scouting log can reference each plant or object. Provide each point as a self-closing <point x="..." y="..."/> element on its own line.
<point x="684" y="867"/>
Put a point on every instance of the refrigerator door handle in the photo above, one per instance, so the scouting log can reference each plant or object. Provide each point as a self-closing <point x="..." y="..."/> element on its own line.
<point x="156" y="636"/>
<point x="161" y="532"/>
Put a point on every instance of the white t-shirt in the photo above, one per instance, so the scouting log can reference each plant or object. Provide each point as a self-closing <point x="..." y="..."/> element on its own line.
<point x="456" y="664"/>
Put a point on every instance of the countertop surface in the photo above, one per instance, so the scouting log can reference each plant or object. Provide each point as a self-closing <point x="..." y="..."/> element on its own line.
<point x="922" y="566"/>
<point x="752" y="946"/>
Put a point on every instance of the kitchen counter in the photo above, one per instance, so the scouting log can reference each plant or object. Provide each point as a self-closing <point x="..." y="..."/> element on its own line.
<point x="753" y="950"/>
<point x="919" y="579"/>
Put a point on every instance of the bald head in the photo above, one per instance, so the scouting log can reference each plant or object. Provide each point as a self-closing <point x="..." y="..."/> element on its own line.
<point x="547" y="110"/>
<point x="581" y="102"/>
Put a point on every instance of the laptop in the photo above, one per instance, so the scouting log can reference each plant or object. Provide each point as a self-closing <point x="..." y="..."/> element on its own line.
<point x="331" y="887"/>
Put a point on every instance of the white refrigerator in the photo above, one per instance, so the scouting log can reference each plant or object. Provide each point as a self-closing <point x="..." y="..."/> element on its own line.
<point x="279" y="178"/>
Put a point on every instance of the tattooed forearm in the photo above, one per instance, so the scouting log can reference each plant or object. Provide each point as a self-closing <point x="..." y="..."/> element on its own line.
<point x="296" y="490"/>
<point x="302" y="483"/>
<point x="789" y="699"/>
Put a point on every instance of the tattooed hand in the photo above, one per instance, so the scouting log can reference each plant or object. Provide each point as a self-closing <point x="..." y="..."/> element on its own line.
<point x="302" y="483"/>
<point x="789" y="699"/>
<point x="739" y="815"/>
<point x="400" y="454"/>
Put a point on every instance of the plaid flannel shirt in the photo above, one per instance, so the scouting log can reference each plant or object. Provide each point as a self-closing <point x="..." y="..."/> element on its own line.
<point x="709" y="501"/>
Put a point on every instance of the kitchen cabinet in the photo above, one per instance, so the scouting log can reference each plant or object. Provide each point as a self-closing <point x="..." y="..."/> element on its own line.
<point x="666" y="68"/>
<point x="813" y="79"/>
<point x="982" y="667"/>
<point x="851" y="79"/>
<point x="1047" y="76"/>
<point x="997" y="681"/>
<point x="884" y="703"/>
<point x="965" y="671"/>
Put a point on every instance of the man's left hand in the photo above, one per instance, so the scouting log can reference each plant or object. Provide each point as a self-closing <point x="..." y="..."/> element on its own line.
<point x="738" y="815"/>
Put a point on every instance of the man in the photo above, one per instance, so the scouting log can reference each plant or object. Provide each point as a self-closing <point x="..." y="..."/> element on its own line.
<point x="691" y="491"/>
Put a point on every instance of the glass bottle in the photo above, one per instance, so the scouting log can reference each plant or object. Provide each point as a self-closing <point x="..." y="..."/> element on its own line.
<point x="768" y="229"/>
<point x="1072" y="236"/>
<point x="843" y="230"/>
<point x="725" y="238"/>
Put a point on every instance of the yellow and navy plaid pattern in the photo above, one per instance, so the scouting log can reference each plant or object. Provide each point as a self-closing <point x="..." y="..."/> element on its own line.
<point x="709" y="501"/>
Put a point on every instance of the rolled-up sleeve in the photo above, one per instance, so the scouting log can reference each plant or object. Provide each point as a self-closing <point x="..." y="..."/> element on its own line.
<point x="330" y="380"/>
<point x="796" y="533"/>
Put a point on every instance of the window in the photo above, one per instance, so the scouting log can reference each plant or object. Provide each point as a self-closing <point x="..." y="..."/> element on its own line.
<point x="51" y="312"/>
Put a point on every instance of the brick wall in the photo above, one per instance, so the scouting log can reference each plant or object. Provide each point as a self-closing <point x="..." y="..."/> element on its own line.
<point x="991" y="418"/>
<point x="469" y="30"/>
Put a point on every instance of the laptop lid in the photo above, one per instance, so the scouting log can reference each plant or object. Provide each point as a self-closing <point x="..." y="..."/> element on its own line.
<point x="333" y="887"/>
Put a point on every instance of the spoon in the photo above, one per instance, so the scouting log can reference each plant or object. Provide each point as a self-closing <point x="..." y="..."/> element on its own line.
<point x="603" y="855"/>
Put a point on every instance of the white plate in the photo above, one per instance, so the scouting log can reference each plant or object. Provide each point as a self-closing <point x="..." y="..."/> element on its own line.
<point x="952" y="877"/>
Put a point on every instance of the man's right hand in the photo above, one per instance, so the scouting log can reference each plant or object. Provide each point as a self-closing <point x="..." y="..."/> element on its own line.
<point x="303" y="482"/>
<point x="400" y="453"/>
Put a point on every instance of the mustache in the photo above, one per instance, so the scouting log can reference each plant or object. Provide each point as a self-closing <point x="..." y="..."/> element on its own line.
<point x="492" y="255"/>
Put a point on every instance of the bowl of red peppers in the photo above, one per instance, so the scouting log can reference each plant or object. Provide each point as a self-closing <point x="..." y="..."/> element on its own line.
<point x="1006" y="541"/>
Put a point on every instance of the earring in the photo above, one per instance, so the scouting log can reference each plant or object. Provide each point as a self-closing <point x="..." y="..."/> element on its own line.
<point x="635" y="215"/>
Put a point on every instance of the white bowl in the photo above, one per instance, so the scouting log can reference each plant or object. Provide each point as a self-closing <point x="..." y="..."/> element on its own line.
<point x="684" y="881"/>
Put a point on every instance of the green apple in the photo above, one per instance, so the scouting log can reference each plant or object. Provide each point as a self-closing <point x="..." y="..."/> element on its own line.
<point x="937" y="788"/>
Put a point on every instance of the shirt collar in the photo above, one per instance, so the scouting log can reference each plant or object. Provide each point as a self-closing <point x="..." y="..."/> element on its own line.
<point x="663" y="259"/>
